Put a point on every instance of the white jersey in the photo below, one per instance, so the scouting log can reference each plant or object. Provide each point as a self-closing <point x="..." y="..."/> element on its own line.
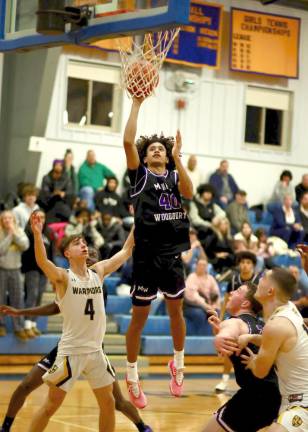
<point x="292" y="366"/>
<point x="84" y="318"/>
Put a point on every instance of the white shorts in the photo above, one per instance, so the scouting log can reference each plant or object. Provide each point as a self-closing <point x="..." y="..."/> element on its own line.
<point x="66" y="370"/>
<point x="294" y="418"/>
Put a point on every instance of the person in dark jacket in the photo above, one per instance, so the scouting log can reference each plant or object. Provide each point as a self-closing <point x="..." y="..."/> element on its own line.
<point x="203" y="210"/>
<point x="70" y="170"/>
<point x="113" y="234"/>
<point x="224" y="184"/>
<point x="219" y="246"/>
<point x="56" y="194"/>
<point x="287" y="223"/>
<point x="35" y="280"/>
<point x="109" y="201"/>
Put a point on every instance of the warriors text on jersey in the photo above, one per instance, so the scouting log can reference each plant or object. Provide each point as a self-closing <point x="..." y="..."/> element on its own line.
<point x="84" y="318"/>
<point x="160" y="221"/>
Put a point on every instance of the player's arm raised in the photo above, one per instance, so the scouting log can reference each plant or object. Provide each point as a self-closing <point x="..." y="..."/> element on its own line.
<point x="185" y="184"/>
<point x="274" y="334"/>
<point x="53" y="273"/>
<point x="112" y="264"/>
<point x="46" y="310"/>
<point x="132" y="156"/>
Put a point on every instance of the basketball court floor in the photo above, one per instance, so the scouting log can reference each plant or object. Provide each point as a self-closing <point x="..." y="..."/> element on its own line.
<point x="164" y="413"/>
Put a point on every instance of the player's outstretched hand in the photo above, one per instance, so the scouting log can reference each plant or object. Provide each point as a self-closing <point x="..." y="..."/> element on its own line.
<point x="177" y="146"/>
<point x="243" y="341"/>
<point x="248" y="358"/>
<point x="8" y="310"/>
<point x="214" y="322"/>
<point x="36" y="223"/>
<point x="225" y="345"/>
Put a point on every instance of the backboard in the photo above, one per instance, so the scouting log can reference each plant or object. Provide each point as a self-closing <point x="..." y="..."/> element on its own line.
<point x="107" y="19"/>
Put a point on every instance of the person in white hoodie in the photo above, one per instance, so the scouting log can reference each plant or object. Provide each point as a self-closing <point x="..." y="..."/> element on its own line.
<point x="28" y="205"/>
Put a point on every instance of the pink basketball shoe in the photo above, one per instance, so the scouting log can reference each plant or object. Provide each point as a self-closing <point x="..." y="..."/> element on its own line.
<point x="177" y="378"/>
<point x="136" y="395"/>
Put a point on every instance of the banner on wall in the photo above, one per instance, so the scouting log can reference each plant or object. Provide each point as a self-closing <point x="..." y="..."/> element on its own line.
<point x="199" y="43"/>
<point x="264" y="43"/>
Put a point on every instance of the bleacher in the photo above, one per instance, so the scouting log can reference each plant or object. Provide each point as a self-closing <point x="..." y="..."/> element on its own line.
<point x="156" y="339"/>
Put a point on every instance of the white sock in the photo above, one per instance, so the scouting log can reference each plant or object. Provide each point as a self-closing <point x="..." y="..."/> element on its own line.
<point x="179" y="359"/>
<point x="28" y="325"/>
<point x="225" y="377"/>
<point x="132" y="371"/>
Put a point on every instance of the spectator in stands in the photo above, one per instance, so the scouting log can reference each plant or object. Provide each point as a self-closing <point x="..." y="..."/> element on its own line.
<point x="219" y="245"/>
<point x="113" y="234"/>
<point x="246" y="272"/>
<point x="196" y="252"/>
<point x="24" y="209"/>
<point x="287" y="223"/>
<point x="283" y="187"/>
<point x="193" y="171"/>
<point x="91" y="176"/>
<point x="201" y="297"/>
<point x="203" y="210"/>
<point x="237" y="211"/>
<point x="301" y="188"/>
<point x="300" y="298"/>
<point x="245" y="239"/>
<point x="109" y="201"/>
<point x="35" y="280"/>
<point x="303" y="211"/>
<point x="224" y="184"/>
<point x="83" y="224"/>
<point x="56" y="195"/>
<point x="70" y="170"/>
<point x="13" y="241"/>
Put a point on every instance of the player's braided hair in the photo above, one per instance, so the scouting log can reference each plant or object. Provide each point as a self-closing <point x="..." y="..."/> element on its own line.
<point x="144" y="141"/>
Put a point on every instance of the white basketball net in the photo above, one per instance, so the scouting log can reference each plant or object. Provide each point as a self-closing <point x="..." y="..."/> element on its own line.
<point x="142" y="62"/>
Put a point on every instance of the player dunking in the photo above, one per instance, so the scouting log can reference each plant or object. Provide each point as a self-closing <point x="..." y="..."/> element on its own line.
<point x="161" y="234"/>
<point x="81" y="301"/>
<point x="284" y="343"/>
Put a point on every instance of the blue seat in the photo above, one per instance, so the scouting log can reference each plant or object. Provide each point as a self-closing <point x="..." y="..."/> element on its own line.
<point x="267" y="218"/>
<point x="252" y="216"/>
<point x="155" y="325"/>
<point x="9" y="344"/>
<point x="111" y="283"/>
<point x="118" y="305"/>
<point x="286" y="261"/>
<point x="163" y="345"/>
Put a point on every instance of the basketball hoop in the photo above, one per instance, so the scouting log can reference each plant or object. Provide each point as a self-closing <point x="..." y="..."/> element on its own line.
<point x="142" y="63"/>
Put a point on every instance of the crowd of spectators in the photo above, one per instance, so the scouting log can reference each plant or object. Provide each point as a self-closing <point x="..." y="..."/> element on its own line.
<point x="224" y="246"/>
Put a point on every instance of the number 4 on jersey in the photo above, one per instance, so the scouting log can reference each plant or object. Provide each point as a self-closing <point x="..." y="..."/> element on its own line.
<point x="89" y="309"/>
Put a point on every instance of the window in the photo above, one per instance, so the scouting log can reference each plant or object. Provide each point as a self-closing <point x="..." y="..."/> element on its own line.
<point x="94" y="97"/>
<point x="268" y="118"/>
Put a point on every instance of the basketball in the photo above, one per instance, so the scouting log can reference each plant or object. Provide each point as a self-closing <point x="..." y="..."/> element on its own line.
<point x="142" y="78"/>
